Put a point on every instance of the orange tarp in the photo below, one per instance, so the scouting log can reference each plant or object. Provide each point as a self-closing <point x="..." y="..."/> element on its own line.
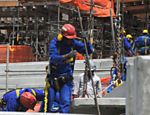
<point x="82" y="4"/>
<point x="105" y="81"/>
<point x="104" y="11"/>
<point x="102" y="3"/>
<point x="101" y="8"/>
<point x="65" y="1"/>
<point x="79" y="56"/>
<point x="17" y="53"/>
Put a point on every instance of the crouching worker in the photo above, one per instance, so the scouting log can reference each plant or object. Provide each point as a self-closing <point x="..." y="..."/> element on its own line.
<point x="62" y="52"/>
<point x="80" y="91"/>
<point x="21" y="99"/>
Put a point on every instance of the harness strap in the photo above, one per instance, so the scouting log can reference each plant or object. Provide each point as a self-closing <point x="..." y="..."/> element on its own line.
<point x="145" y="41"/>
<point x="18" y="92"/>
<point x="33" y="92"/>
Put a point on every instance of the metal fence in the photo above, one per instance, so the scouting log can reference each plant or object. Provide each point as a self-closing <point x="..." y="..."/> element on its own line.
<point x="17" y="53"/>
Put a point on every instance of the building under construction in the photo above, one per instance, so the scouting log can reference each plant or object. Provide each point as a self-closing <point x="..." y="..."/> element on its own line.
<point x="35" y="22"/>
<point x="28" y="26"/>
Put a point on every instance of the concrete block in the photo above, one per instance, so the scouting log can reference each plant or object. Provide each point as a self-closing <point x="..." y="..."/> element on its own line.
<point x="101" y="101"/>
<point x="139" y="91"/>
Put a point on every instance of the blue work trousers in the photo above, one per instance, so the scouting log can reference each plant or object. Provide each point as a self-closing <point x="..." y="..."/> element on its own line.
<point x="64" y="101"/>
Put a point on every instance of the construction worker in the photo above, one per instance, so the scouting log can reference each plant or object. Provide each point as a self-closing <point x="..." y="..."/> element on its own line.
<point x="131" y="41"/>
<point x="142" y="43"/>
<point x="126" y="44"/>
<point x="79" y="87"/>
<point x="128" y="47"/>
<point x="130" y="38"/>
<point x="62" y="52"/>
<point x="21" y="99"/>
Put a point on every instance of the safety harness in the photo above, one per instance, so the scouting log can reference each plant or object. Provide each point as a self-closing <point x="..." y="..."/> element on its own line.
<point x="3" y="103"/>
<point x="55" y="82"/>
<point x="18" y="92"/>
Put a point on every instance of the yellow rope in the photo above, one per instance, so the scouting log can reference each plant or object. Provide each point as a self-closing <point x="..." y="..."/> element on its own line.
<point x="47" y="86"/>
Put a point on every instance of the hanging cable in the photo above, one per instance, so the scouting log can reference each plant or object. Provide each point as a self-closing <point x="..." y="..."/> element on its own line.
<point x="87" y="63"/>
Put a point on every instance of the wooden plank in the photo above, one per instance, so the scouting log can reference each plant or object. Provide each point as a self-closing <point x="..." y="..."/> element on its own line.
<point x="8" y="3"/>
<point x="138" y="7"/>
<point x="141" y="16"/>
<point x="128" y="1"/>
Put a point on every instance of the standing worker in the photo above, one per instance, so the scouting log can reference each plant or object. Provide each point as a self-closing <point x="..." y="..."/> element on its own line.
<point x="21" y="99"/>
<point x="62" y="56"/>
<point x="142" y="43"/>
<point x="79" y="87"/>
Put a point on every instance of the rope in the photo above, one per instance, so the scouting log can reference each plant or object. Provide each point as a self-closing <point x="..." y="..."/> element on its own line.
<point x="88" y="67"/>
<point x="46" y="88"/>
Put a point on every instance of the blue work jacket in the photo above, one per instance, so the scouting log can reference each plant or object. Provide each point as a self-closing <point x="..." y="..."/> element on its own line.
<point x="59" y="48"/>
<point x="127" y="44"/>
<point x="12" y="98"/>
<point x="142" y="41"/>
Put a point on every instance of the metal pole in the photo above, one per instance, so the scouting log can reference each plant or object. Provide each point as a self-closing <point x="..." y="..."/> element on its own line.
<point x="58" y="17"/>
<point x="112" y="30"/>
<point x="13" y="37"/>
<point x="88" y="66"/>
<point x="7" y="65"/>
<point x="18" y="14"/>
<point x="37" y="38"/>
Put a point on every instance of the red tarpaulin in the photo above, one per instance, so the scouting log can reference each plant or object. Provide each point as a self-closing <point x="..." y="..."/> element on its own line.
<point x="101" y="8"/>
<point x="65" y="1"/>
<point x="102" y="3"/>
<point x="17" y="53"/>
<point x="82" y="4"/>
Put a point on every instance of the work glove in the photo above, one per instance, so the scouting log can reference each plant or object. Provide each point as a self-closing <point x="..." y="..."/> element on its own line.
<point x="70" y="55"/>
<point x="2" y="102"/>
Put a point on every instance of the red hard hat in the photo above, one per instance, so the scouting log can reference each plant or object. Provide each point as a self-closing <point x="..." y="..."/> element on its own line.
<point x="69" y="31"/>
<point x="28" y="100"/>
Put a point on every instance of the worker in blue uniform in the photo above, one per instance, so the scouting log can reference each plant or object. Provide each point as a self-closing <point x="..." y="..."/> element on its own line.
<point x="128" y="47"/>
<point x="126" y="44"/>
<point x="62" y="52"/>
<point x="130" y="39"/>
<point x="142" y="43"/>
<point x="21" y="99"/>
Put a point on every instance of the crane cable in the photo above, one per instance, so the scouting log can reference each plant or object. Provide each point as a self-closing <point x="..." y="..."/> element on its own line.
<point x="119" y="50"/>
<point x="88" y="66"/>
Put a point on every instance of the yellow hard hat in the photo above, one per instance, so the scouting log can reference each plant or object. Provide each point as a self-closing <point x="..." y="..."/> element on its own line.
<point x="145" y="31"/>
<point x="129" y="36"/>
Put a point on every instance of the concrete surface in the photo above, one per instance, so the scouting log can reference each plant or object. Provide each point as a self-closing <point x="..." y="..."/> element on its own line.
<point x="108" y="106"/>
<point x="139" y="90"/>
<point x="101" y="101"/>
<point x="37" y="80"/>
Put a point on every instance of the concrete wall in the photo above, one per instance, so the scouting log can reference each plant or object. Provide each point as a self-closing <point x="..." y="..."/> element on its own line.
<point x="37" y="79"/>
<point x="139" y="87"/>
